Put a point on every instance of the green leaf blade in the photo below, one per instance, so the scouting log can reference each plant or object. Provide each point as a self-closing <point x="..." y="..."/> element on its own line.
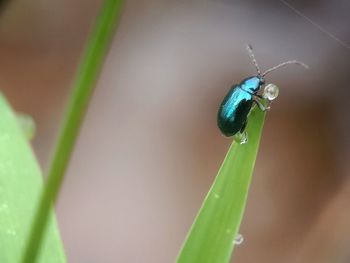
<point x="20" y="187"/>
<point x="212" y="235"/>
<point x="83" y="86"/>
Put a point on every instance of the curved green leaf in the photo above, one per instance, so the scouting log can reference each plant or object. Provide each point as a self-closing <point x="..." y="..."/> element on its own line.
<point x="211" y="238"/>
<point x="20" y="187"/>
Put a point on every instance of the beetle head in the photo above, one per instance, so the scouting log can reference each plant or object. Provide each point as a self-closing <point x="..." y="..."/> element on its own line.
<point x="252" y="84"/>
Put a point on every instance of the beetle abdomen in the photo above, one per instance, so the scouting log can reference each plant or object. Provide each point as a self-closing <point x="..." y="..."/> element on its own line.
<point x="234" y="110"/>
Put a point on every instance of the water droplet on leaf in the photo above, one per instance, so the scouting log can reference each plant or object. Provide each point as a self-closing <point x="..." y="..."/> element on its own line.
<point x="241" y="138"/>
<point x="238" y="240"/>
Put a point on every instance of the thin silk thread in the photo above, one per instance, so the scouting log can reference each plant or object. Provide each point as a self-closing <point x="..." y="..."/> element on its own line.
<point x="315" y="24"/>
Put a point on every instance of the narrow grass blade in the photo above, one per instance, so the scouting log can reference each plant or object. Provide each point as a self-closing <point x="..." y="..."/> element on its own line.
<point x="211" y="238"/>
<point x="20" y="187"/>
<point x="82" y="89"/>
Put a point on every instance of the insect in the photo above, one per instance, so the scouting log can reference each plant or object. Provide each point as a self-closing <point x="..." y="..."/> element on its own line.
<point x="237" y="104"/>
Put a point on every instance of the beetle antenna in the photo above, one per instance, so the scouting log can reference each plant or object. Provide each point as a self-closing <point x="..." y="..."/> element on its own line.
<point x="252" y="57"/>
<point x="285" y="64"/>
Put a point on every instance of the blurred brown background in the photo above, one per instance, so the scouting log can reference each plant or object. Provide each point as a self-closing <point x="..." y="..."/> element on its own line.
<point x="149" y="148"/>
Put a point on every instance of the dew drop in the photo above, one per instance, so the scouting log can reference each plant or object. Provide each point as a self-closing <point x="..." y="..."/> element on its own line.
<point x="241" y="138"/>
<point x="27" y="124"/>
<point x="238" y="240"/>
<point x="271" y="92"/>
<point x="11" y="232"/>
<point x="216" y="196"/>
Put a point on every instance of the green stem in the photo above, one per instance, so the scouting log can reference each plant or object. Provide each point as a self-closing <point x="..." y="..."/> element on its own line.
<point x="82" y="90"/>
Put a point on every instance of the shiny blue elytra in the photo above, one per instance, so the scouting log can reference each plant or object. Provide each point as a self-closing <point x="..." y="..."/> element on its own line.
<point x="234" y="109"/>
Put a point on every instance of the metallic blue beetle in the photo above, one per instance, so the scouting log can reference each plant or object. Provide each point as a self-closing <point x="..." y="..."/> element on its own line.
<point x="237" y="104"/>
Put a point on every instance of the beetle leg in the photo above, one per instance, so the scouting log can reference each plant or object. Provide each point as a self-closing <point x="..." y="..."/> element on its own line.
<point x="243" y="127"/>
<point x="264" y="99"/>
<point x="260" y="105"/>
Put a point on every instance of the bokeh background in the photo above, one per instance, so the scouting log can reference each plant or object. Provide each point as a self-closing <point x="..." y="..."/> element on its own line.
<point x="150" y="149"/>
